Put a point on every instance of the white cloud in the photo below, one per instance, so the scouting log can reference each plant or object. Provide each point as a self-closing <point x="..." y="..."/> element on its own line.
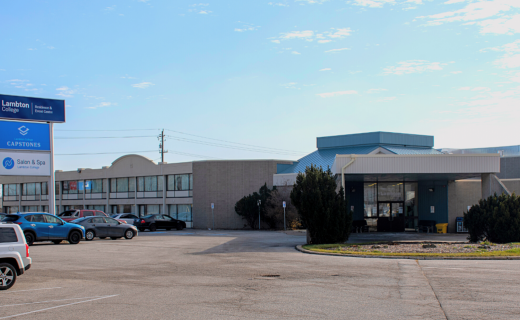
<point x="323" y="37"/>
<point x="337" y="93"/>
<point x="65" y="92"/>
<point x="337" y="50"/>
<point x="413" y="66"/>
<point x="325" y="69"/>
<point x="103" y="105"/>
<point x="275" y="41"/>
<point x="290" y="85"/>
<point x="489" y="15"/>
<point x="278" y="4"/>
<point x="373" y="3"/>
<point x="295" y="52"/>
<point x="511" y="58"/>
<point x="143" y="85"/>
<point x="386" y="99"/>
<point x="247" y="27"/>
<point x="110" y="8"/>
<point x="311" y="1"/>
<point x="376" y="90"/>
<point x="456" y="72"/>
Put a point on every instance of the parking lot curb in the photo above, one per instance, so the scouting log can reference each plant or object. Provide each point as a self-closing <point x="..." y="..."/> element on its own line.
<point x="301" y="249"/>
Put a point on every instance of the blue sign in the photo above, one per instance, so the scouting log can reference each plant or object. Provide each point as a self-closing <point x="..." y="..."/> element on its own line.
<point x="24" y="136"/>
<point x="31" y="109"/>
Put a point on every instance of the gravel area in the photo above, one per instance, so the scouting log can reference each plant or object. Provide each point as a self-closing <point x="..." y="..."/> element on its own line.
<point x="425" y="247"/>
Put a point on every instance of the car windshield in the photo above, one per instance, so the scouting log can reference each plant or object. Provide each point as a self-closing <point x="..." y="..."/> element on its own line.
<point x="115" y="215"/>
<point x="148" y="216"/>
<point x="78" y="220"/>
<point x="10" y="218"/>
<point x="69" y="213"/>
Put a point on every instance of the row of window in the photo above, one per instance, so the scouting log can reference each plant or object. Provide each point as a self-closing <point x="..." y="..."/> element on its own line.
<point x="177" y="211"/>
<point x="28" y="189"/>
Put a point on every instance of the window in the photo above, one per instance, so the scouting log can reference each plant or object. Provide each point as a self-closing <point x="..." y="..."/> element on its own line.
<point x="181" y="212"/>
<point x="45" y="209"/>
<point x="88" y="213"/>
<point x="8" y="235"/>
<point x="122" y="185"/>
<point x="122" y="208"/>
<point x="35" y="218"/>
<point x="97" y="220"/>
<point x="30" y="209"/>
<point x="149" y="209"/>
<point x="150" y="184"/>
<point x="70" y="187"/>
<point x="10" y="189"/>
<point x="94" y="186"/>
<point x="69" y="213"/>
<point x="370" y="198"/>
<point x="180" y="182"/>
<point x="95" y="207"/>
<point x="57" y="187"/>
<point x="45" y="189"/>
<point x="390" y="191"/>
<point x="129" y="216"/>
<point x="52" y="219"/>
<point x="99" y="214"/>
<point x="111" y="221"/>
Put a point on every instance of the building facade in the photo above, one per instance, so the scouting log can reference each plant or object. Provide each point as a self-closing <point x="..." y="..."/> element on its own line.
<point x="391" y="180"/>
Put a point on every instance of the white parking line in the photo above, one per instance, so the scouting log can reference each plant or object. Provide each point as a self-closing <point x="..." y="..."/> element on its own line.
<point x="471" y="269"/>
<point x="21" y="304"/>
<point x="35" y="289"/>
<point x="64" y="305"/>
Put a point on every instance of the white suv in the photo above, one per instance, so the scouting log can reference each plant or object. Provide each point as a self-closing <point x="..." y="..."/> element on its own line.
<point x="14" y="254"/>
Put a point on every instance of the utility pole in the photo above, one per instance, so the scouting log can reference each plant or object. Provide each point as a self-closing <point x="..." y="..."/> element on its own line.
<point x="161" y="145"/>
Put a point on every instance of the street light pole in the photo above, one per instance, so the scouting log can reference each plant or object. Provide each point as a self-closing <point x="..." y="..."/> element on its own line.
<point x="259" y="203"/>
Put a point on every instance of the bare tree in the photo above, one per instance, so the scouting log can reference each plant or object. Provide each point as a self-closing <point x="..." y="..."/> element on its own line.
<point x="274" y="209"/>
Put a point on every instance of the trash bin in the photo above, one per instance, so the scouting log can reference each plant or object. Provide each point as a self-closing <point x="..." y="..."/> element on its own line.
<point x="442" y="227"/>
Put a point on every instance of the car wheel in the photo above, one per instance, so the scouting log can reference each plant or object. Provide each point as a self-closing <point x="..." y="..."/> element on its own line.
<point x="129" y="234"/>
<point x="180" y="226"/>
<point x="153" y="227"/>
<point x="141" y="229"/>
<point x="114" y="238"/>
<point x="7" y="276"/>
<point x="74" y="237"/>
<point x="89" y="235"/>
<point x="56" y="241"/>
<point x="29" y="238"/>
<point x="102" y="237"/>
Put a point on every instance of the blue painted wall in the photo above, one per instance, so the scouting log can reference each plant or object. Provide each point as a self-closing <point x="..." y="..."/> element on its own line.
<point x="437" y="198"/>
<point x="375" y="138"/>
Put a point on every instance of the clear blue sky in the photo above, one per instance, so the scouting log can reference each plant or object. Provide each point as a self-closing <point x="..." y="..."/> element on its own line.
<point x="271" y="74"/>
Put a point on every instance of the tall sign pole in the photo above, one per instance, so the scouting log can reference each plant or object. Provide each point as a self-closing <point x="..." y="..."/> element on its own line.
<point x="52" y="179"/>
<point x="259" y="203"/>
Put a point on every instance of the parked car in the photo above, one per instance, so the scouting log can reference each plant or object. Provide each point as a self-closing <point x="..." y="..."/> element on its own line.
<point x="106" y="227"/>
<point x="159" y="221"/>
<point x="129" y="218"/>
<point x="14" y="255"/>
<point x="70" y="215"/>
<point x="38" y="226"/>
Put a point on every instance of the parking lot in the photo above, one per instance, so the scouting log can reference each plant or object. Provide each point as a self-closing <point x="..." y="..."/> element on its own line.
<point x="194" y="274"/>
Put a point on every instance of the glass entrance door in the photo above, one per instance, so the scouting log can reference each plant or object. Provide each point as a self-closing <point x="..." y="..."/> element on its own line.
<point x="391" y="209"/>
<point x="390" y="216"/>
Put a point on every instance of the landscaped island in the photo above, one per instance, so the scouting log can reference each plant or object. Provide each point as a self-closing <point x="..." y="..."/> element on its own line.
<point x="421" y="249"/>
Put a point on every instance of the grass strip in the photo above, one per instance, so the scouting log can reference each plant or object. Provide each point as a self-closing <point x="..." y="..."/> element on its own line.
<point x="335" y="248"/>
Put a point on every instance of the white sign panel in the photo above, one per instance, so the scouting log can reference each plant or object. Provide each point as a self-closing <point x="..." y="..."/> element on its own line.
<point x="25" y="164"/>
<point x="284" y="204"/>
<point x="212" y="206"/>
<point x="432" y="209"/>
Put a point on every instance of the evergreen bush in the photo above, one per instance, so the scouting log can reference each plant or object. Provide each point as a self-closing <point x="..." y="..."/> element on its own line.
<point x="322" y="210"/>
<point x="496" y="219"/>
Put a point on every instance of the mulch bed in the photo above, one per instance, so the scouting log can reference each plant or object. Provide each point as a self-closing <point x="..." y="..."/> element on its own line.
<point x="426" y="247"/>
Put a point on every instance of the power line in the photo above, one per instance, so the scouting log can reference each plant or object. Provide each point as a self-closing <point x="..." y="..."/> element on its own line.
<point x="249" y="145"/>
<point x="114" y="130"/>
<point x="125" y="137"/>
<point x="129" y="152"/>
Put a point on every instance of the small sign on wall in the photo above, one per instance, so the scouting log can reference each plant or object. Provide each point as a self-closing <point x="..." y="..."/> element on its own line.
<point x="432" y="209"/>
<point x="352" y="208"/>
<point x="469" y="207"/>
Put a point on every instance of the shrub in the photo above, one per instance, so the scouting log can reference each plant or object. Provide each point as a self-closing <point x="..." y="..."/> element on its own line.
<point x="247" y="207"/>
<point x="322" y="210"/>
<point x="496" y="219"/>
<point x="274" y="209"/>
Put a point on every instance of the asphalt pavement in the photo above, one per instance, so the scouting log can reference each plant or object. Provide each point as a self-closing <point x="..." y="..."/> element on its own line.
<point x="194" y="274"/>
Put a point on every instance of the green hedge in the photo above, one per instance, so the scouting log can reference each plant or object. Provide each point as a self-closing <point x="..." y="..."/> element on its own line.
<point x="496" y="219"/>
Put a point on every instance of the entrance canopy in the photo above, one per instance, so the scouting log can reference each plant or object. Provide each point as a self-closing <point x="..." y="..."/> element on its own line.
<point x="385" y="167"/>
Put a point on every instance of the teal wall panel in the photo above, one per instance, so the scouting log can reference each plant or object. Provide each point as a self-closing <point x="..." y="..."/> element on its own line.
<point x="437" y="198"/>
<point x="355" y="198"/>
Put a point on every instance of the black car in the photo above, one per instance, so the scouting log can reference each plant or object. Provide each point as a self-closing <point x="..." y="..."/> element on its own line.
<point x="104" y="227"/>
<point x="159" y="221"/>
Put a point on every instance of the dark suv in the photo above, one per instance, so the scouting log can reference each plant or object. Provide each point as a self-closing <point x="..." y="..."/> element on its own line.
<point x="70" y="215"/>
